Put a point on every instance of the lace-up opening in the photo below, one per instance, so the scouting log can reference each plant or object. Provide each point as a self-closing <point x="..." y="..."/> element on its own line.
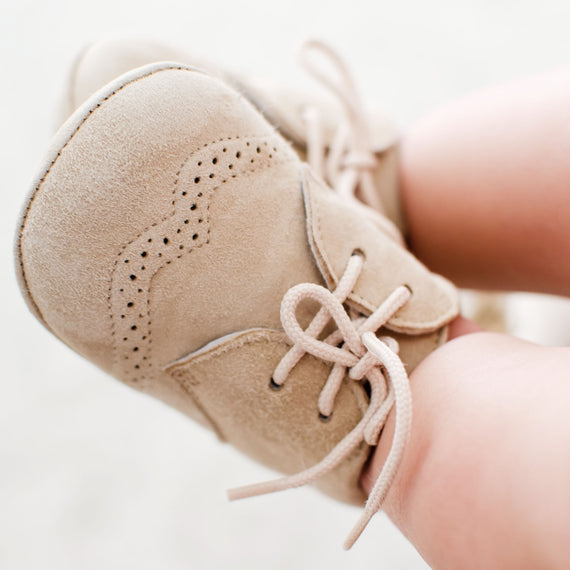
<point x="347" y="163"/>
<point x="358" y="353"/>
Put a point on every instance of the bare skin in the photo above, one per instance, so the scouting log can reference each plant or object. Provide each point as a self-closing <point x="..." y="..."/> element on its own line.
<point x="485" y="187"/>
<point x="485" y="480"/>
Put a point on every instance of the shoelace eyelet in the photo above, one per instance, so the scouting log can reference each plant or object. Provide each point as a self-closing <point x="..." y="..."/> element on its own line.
<point x="274" y="386"/>
<point x="361" y="253"/>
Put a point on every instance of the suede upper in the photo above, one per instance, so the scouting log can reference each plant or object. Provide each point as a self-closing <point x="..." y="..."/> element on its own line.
<point x="167" y="223"/>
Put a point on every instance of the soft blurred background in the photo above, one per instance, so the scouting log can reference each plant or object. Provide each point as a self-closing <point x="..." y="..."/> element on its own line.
<point x="94" y="475"/>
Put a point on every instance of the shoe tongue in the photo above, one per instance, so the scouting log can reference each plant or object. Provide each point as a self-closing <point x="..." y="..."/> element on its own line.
<point x="336" y="229"/>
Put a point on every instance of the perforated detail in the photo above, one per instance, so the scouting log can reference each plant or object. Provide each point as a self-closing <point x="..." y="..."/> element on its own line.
<point x="186" y="228"/>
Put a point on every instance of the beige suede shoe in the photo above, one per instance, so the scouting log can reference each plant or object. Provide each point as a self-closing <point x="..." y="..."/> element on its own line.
<point x="175" y="239"/>
<point x="353" y="151"/>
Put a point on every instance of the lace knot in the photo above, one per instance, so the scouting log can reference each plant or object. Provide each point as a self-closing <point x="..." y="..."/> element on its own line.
<point x="364" y="366"/>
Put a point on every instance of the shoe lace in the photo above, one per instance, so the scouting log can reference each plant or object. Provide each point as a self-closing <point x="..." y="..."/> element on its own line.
<point x="349" y="163"/>
<point x="355" y="349"/>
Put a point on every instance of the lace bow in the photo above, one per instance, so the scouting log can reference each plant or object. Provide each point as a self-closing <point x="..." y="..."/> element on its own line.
<point x="356" y="351"/>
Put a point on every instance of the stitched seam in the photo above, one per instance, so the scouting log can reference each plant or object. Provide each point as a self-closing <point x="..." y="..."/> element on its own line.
<point x="148" y="344"/>
<point x="156" y="223"/>
<point x="188" y="251"/>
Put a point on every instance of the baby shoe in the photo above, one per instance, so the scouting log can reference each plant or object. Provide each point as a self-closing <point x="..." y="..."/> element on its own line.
<point x="353" y="151"/>
<point x="175" y="239"/>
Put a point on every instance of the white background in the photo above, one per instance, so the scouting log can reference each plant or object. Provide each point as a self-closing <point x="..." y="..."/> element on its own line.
<point x="93" y="475"/>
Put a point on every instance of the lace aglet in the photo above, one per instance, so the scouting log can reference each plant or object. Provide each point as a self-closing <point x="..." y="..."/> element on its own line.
<point x="244" y="492"/>
<point x="256" y="489"/>
<point x="356" y="531"/>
